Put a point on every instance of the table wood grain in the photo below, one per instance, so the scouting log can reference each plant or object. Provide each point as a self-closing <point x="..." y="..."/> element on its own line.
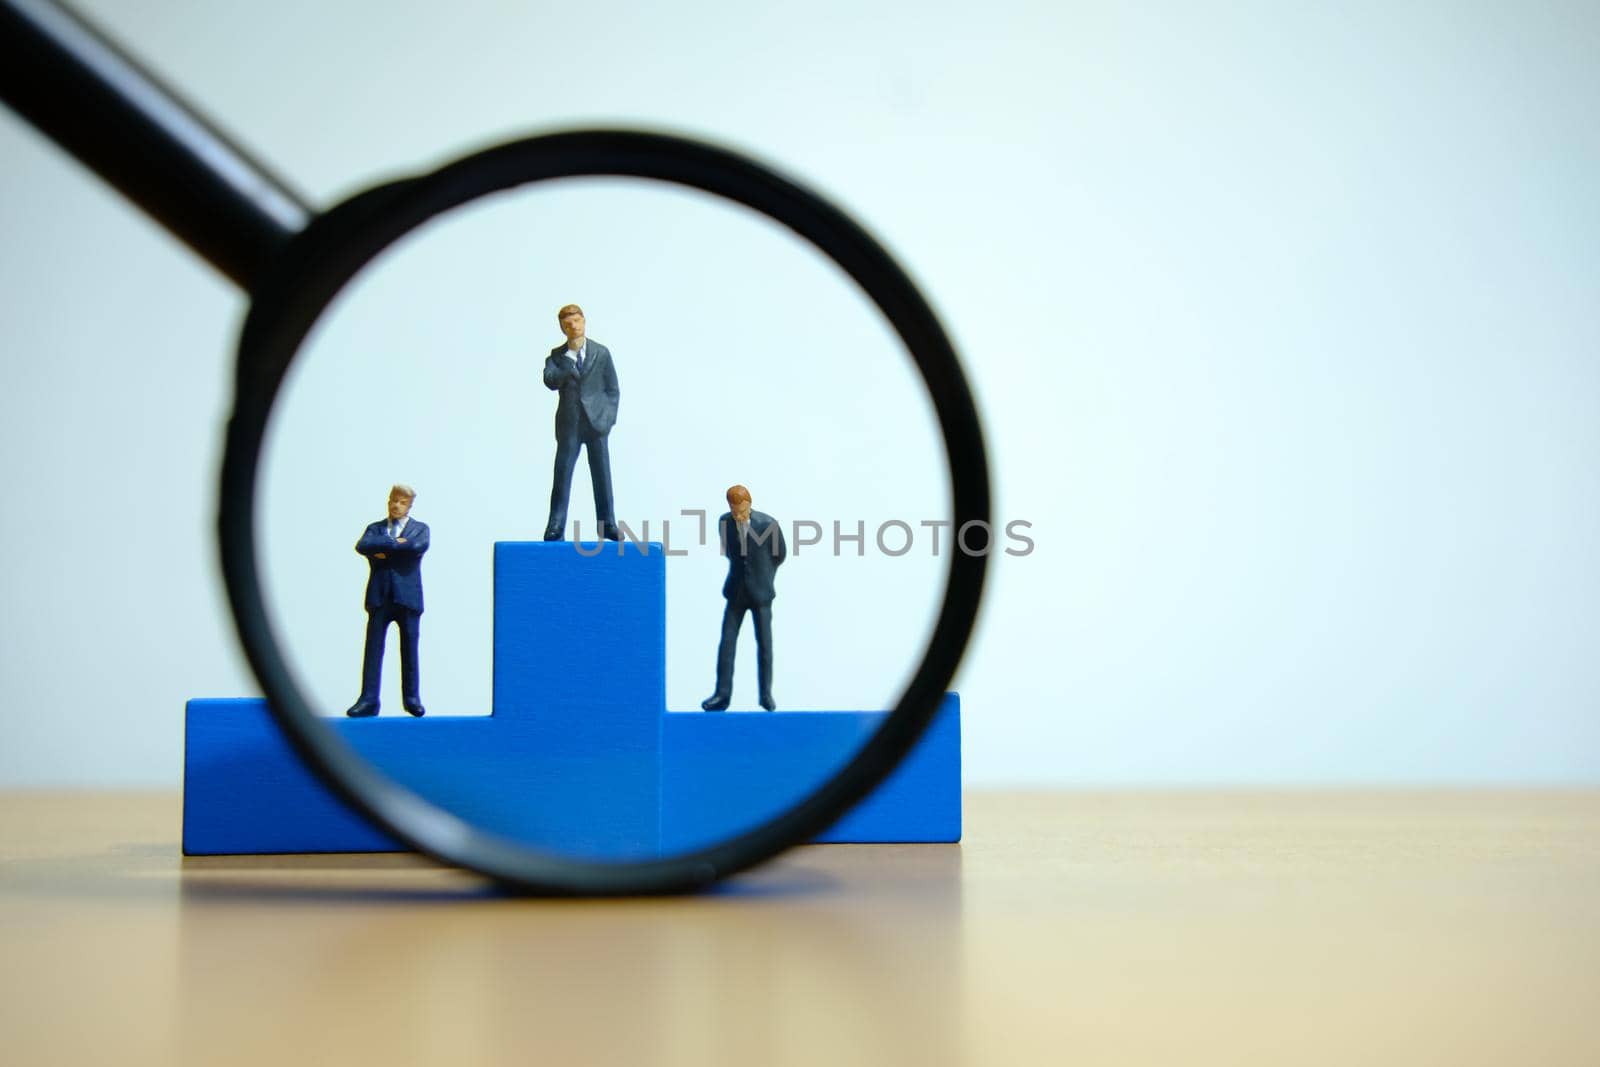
<point x="1084" y="928"/>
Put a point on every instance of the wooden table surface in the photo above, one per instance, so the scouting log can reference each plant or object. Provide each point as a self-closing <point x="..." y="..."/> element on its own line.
<point x="1083" y="928"/>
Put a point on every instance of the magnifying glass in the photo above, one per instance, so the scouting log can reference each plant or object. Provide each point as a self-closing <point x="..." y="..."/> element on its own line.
<point x="761" y="396"/>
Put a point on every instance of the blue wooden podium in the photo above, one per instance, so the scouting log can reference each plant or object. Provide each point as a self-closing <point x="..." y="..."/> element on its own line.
<point x="579" y="754"/>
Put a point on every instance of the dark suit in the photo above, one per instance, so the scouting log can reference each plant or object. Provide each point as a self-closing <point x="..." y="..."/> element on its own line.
<point x="394" y="594"/>
<point x="753" y="563"/>
<point x="584" y="416"/>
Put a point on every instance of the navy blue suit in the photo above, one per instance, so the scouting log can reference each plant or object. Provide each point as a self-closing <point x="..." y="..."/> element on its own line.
<point x="753" y="563"/>
<point x="585" y="413"/>
<point x="394" y="594"/>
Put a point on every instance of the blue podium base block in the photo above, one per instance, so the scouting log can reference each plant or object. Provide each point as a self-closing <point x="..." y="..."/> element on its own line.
<point x="579" y="755"/>
<point x="246" y="792"/>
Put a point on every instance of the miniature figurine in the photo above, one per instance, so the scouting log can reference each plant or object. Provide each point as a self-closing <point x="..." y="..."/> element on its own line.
<point x="753" y="543"/>
<point x="394" y="548"/>
<point x="582" y="373"/>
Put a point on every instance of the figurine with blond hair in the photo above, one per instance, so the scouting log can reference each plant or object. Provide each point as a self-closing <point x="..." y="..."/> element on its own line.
<point x="753" y="543"/>
<point x="581" y="372"/>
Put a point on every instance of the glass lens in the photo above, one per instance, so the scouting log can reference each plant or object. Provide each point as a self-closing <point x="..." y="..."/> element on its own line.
<point x="671" y="469"/>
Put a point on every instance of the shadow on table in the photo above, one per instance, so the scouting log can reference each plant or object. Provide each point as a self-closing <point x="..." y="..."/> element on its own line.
<point x="854" y="951"/>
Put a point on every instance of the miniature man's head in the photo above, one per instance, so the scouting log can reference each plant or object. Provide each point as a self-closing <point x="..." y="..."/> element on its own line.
<point x="571" y="320"/>
<point x="739" y="503"/>
<point x="400" y="498"/>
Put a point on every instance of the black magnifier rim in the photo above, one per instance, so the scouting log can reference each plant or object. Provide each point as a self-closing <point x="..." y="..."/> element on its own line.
<point x="322" y="259"/>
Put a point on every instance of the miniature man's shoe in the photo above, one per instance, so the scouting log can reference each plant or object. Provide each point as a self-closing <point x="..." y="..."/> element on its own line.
<point x="768" y="703"/>
<point x="416" y="710"/>
<point x="715" y="702"/>
<point x="609" y="531"/>
<point x="363" y="709"/>
<point x="552" y="534"/>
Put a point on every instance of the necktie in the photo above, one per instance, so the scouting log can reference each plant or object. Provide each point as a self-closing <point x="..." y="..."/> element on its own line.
<point x="580" y="361"/>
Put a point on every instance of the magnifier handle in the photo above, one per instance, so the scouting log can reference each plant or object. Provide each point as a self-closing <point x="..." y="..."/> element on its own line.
<point x="92" y="99"/>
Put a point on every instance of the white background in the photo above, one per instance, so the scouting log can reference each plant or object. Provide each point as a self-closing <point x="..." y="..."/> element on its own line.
<point x="1285" y="326"/>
